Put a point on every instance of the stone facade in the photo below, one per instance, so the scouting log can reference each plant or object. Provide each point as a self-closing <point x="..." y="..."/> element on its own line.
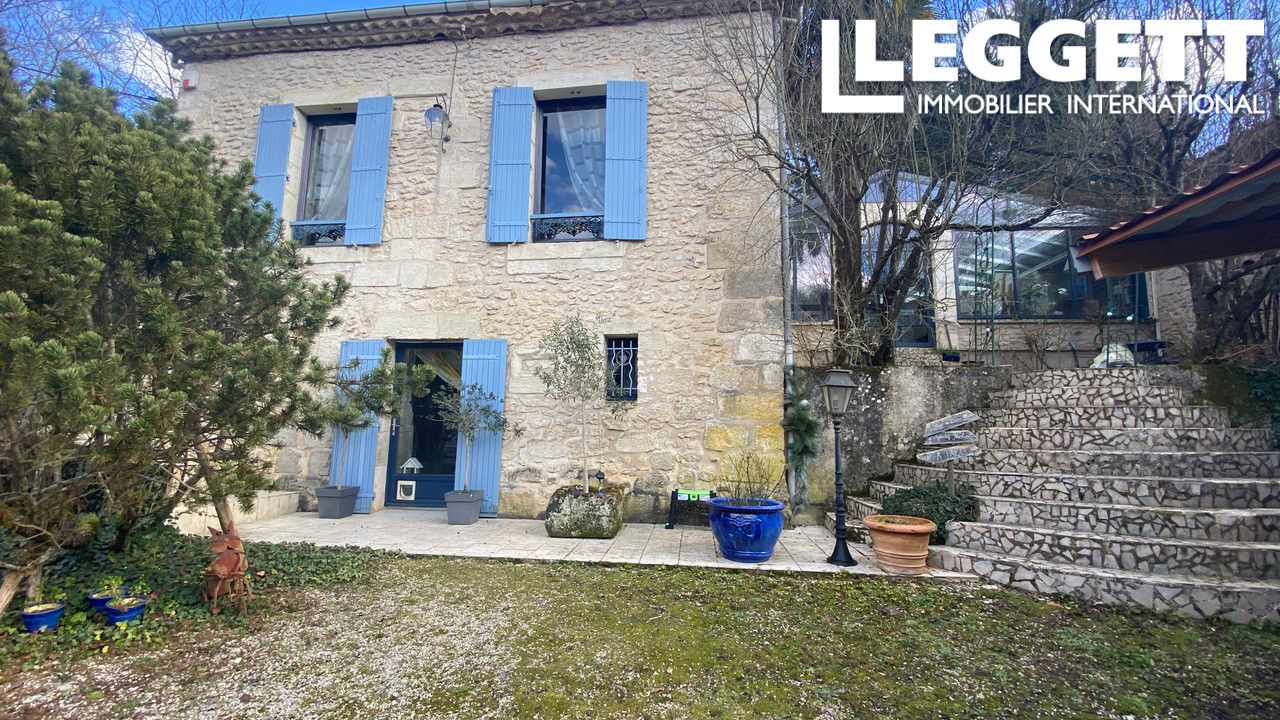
<point x="701" y="292"/>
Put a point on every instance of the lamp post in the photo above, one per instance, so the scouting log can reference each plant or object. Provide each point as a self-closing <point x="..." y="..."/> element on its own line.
<point x="837" y="389"/>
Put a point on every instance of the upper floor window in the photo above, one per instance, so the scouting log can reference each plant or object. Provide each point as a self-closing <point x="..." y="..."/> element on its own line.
<point x="622" y="354"/>
<point x="557" y="173"/>
<point x="326" y="179"/>
<point x="571" y="167"/>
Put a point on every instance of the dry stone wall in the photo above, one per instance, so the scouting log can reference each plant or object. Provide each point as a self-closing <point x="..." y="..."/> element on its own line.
<point x="702" y="292"/>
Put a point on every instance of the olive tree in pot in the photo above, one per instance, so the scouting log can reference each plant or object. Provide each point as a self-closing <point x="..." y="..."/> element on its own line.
<point x="576" y="373"/>
<point x="355" y="403"/>
<point x="471" y="411"/>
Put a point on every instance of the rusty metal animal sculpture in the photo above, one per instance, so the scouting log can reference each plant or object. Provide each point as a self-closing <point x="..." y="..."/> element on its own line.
<point x="227" y="574"/>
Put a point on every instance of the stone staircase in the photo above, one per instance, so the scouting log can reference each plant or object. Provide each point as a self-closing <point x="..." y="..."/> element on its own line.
<point x="1108" y="486"/>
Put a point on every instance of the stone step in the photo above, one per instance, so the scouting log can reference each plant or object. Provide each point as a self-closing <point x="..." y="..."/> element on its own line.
<point x="1161" y="556"/>
<point x="1235" y="600"/>
<point x="1124" y="463"/>
<point x="1141" y="439"/>
<point x="1108" y="416"/>
<point x="1222" y="493"/>
<point x="1247" y="525"/>
<point x="1075" y="395"/>
<point x="1116" y="377"/>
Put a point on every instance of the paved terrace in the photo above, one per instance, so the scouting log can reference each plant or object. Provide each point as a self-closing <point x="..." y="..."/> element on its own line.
<point x="425" y="532"/>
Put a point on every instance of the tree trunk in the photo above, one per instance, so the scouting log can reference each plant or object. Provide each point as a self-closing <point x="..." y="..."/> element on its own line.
<point x="586" y="481"/>
<point x="222" y="506"/>
<point x="466" y="465"/>
<point x="124" y="528"/>
<point x="9" y="587"/>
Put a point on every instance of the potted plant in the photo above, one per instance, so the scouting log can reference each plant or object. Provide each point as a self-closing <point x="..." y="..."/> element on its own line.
<point x="127" y="607"/>
<point x="43" y="614"/>
<point x="109" y="588"/>
<point x="914" y="517"/>
<point x="577" y="374"/>
<point x="471" y="411"/>
<point x="357" y="400"/>
<point x="901" y="542"/>
<point x="746" y="517"/>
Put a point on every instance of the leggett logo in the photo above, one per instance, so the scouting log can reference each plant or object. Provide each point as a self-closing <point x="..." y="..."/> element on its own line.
<point x="1116" y="43"/>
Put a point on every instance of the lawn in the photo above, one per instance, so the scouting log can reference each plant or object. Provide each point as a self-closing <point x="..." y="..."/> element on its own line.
<point x="432" y="637"/>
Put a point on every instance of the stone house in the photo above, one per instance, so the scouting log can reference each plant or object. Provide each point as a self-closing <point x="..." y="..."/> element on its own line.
<point x="479" y="171"/>
<point x="477" y="180"/>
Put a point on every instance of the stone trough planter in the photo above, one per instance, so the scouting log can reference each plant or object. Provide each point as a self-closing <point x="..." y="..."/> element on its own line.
<point x="575" y="513"/>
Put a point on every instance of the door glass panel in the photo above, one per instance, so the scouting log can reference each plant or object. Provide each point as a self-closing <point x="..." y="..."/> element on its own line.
<point x="425" y="446"/>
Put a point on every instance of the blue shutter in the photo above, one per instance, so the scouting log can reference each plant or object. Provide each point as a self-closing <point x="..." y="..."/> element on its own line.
<point x="361" y="453"/>
<point x="510" y="167"/>
<point x="626" y="146"/>
<point x="271" y="160"/>
<point x="367" y="196"/>
<point x="484" y="363"/>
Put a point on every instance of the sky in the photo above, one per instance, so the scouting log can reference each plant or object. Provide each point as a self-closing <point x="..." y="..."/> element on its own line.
<point x="271" y="8"/>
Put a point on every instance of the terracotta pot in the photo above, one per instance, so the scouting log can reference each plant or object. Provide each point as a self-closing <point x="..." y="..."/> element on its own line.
<point x="901" y="542"/>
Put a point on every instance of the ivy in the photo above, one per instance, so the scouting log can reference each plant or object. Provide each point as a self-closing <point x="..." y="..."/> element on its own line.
<point x="934" y="502"/>
<point x="172" y="566"/>
<point x="804" y="430"/>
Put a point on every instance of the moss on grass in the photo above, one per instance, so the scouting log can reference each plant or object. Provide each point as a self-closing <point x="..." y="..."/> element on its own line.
<point x="536" y="640"/>
<point x="615" y="642"/>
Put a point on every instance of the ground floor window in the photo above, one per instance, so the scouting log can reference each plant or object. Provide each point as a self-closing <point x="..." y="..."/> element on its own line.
<point x="1031" y="275"/>
<point x="812" y="299"/>
<point x="623" y="356"/>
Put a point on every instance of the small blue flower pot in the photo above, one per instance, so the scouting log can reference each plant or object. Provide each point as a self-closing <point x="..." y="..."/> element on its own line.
<point x="746" y="532"/>
<point x="128" y="614"/>
<point x="97" y="602"/>
<point x="43" y="620"/>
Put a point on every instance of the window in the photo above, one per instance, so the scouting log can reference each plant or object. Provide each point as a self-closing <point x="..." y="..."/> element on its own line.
<point x="812" y="299"/>
<point x="570" y="192"/>
<point x="326" y="180"/>
<point x="1030" y="275"/>
<point x="622" y="355"/>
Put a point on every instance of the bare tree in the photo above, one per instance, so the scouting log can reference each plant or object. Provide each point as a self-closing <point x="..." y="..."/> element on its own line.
<point x="1146" y="159"/>
<point x="882" y="192"/>
<point x="108" y="40"/>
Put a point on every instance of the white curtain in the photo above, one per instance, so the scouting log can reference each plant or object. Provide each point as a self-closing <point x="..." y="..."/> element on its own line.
<point x="582" y="136"/>
<point x="331" y="173"/>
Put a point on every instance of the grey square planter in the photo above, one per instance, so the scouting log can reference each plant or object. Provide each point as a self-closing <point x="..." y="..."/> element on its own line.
<point x="463" y="507"/>
<point x="336" y="502"/>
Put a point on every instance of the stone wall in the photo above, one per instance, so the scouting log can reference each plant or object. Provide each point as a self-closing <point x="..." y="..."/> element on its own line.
<point x="702" y="292"/>
<point x="890" y="408"/>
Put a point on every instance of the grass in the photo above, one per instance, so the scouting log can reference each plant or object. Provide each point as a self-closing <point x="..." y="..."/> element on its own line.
<point x="434" y="637"/>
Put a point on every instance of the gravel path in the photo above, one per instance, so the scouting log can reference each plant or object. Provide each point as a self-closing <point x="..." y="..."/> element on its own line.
<point x="421" y="653"/>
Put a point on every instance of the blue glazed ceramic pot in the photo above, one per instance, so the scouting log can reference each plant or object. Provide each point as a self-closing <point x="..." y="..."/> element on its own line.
<point x="128" y="614"/>
<point x="42" y="620"/>
<point x="99" y="602"/>
<point x="746" y="532"/>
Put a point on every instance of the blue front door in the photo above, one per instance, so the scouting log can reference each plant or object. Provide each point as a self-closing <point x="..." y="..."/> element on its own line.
<point x="423" y="452"/>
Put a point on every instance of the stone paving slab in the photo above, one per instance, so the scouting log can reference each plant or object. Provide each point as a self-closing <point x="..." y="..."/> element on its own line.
<point x="425" y="532"/>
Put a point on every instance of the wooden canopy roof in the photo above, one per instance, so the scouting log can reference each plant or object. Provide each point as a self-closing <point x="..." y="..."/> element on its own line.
<point x="1238" y="213"/>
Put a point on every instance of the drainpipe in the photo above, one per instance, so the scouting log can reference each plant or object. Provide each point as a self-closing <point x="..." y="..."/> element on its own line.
<point x="784" y="224"/>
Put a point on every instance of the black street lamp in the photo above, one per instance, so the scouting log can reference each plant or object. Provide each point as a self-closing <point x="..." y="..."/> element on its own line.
<point x="837" y="389"/>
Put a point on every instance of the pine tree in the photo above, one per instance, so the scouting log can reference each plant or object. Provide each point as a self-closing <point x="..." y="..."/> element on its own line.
<point x="157" y="332"/>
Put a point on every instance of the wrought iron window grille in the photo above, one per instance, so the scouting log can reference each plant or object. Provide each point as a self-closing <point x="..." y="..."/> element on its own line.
<point x="564" y="228"/>
<point x="318" y="233"/>
<point x="623" y="355"/>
